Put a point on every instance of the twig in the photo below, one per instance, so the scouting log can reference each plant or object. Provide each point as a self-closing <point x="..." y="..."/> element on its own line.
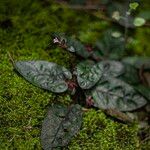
<point x="88" y="7"/>
<point x="146" y="139"/>
<point x="11" y="58"/>
<point x="85" y="109"/>
<point x="126" y="29"/>
<point x="118" y="114"/>
<point x="82" y="7"/>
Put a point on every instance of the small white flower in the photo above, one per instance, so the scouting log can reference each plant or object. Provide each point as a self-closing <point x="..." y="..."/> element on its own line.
<point x="55" y="40"/>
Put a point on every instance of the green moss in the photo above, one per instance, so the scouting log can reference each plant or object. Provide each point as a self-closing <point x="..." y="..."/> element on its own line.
<point x="140" y="44"/>
<point x="99" y="132"/>
<point x="91" y="35"/>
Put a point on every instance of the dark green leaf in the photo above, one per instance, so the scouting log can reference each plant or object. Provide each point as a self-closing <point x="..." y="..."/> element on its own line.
<point x="130" y="75"/>
<point x="88" y="74"/>
<point x="110" y="46"/>
<point x="145" y="91"/>
<point x="46" y="75"/>
<point x="138" y="62"/>
<point x="109" y="69"/>
<point x="60" y="125"/>
<point x="116" y="94"/>
<point x="71" y="44"/>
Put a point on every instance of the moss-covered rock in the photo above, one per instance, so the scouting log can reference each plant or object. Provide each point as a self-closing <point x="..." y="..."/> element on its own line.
<point x="25" y="28"/>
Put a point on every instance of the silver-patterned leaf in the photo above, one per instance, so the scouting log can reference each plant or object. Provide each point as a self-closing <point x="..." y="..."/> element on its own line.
<point x="88" y="74"/>
<point x="116" y="94"/>
<point x="109" y="69"/>
<point x="46" y="75"/>
<point x="60" y="125"/>
<point x="131" y="75"/>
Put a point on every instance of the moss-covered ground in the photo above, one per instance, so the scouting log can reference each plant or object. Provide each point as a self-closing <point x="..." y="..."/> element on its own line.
<point x="25" y="29"/>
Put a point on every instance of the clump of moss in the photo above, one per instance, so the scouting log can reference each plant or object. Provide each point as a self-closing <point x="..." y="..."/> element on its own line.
<point x="141" y="45"/>
<point x="92" y="33"/>
<point x="99" y="132"/>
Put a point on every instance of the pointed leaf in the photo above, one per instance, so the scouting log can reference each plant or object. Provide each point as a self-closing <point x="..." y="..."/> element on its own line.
<point x="60" y="125"/>
<point x="109" y="69"/>
<point x="131" y="75"/>
<point x="71" y="44"/>
<point x="116" y="94"/>
<point x="46" y="75"/>
<point x="145" y="91"/>
<point x="89" y="74"/>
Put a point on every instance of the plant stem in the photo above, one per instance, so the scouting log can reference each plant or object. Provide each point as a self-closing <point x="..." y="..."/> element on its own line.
<point x="126" y="29"/>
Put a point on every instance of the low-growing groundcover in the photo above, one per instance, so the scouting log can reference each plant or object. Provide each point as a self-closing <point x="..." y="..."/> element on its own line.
<point x="23" y="106"/>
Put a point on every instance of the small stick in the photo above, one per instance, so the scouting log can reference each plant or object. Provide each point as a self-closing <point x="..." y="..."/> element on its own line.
<point x="11" y="58"/>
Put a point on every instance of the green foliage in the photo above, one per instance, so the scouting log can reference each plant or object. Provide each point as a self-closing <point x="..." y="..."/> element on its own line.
<point x="25" y="28"/>
<point x="129" y="69"/>
<point x="118" y="95"/>
<point x="143" y="90"/>
<point x="133" y="5"/>
<point x="140" y="44"/>
<point x="60" y="125"/>
<point x="88" y="74"/>
<point x="71" y="45"/>
<point x="107" y="92"/>
<point x="110" y="46"/>
<point x="90" y="34"/>
<point x="43" y="74"/>
<point x="99" y="132"/>
<point x="138" y="21"/>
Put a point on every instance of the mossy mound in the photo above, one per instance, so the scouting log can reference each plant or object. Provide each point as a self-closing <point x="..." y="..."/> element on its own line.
<point x="100" y="132"/>
<point x="25" y="28"/>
